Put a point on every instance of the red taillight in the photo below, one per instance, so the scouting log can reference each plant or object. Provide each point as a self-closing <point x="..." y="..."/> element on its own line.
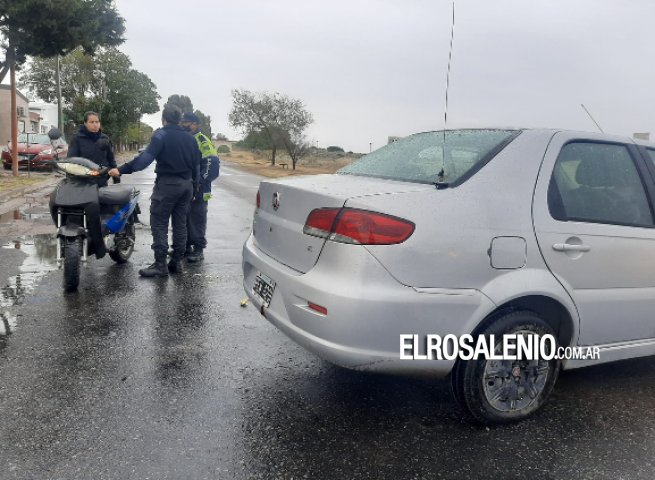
<point x="320" y="221"/>
<point x="259" y="200"/>
<point x="349" y="225"/>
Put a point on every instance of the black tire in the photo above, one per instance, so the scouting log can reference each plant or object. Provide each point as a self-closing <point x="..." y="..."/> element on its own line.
<point x="456" y="377"/>
<point x="7" y="166"/>
<point x="72" y="259"/>
<point x="124" y="245"/>
<point x="504" y="391"/>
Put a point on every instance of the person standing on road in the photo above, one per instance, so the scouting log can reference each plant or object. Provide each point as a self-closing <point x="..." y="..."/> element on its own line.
<point x="89" y="142"/>
<point x="177" y="170"/>
<point x="209" y="171"/>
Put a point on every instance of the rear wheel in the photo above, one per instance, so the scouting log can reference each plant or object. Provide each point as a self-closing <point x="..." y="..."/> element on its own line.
<point x="72" y="258"/>
<point x="123" y="245"/>
<point x="504" y="391"/>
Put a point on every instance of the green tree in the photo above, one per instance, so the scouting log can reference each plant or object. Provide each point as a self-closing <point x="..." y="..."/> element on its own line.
<point x="334" y="148"/>
<point x="128" y="93"/>
<point x="186" y="105"/>
<point x="296" y="146"/>
<point x="256" y="140"/>
<point x="47" y="28"/>
<point x="182" y="101"/>
<point x="205" y="123"/>
<point x="105" y="83"/>
<point x="138" y="134"/>
<point x="78" y="77"/>
<point x="280" y="117"/>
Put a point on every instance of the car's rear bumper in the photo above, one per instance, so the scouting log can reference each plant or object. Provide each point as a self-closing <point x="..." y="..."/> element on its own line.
<point x="368" y="309"/>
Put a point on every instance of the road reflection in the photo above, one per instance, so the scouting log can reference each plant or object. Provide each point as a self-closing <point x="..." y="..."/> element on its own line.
<point x="180" y="336"/>
<point x="40" y="251"/>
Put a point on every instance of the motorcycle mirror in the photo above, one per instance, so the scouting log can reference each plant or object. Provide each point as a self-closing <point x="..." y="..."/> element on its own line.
<point x="54" y="134"/>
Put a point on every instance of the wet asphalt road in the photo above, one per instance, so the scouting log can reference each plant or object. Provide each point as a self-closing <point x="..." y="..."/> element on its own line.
<point x="172" y="379"/>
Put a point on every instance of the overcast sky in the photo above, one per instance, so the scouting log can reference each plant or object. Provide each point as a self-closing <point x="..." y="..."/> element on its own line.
<point x="367" y="69"/>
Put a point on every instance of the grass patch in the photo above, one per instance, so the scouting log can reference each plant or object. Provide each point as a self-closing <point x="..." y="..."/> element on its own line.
<point x="9" y="182"/>
<point x="260" y="162"/>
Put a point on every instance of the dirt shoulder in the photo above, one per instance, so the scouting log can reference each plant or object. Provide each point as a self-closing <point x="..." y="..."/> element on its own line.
<point x="315" y="163"/>
<point x="259" y="162"/>
<point x="16" y="187"/>
<point x="9" y="182"/>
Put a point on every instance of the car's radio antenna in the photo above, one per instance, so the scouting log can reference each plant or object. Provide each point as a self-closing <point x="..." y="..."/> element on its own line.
<point x="592" y="118"/>
<point x="441" y="174"/>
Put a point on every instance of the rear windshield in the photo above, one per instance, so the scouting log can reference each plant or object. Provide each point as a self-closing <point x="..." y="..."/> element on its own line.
<point x="423" y="158"/>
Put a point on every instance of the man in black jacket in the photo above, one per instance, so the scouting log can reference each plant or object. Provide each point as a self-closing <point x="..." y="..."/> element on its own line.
<point x="178" y="167"/>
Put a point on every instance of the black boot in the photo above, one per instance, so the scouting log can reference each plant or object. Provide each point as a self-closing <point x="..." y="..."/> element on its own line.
<point x="196" y="256"/>
<point x="187" y="252"/>
<point x="157" y="269"/>
<point x="175" y="266"/>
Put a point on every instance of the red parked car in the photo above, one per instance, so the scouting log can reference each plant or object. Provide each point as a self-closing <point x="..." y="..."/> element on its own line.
<point x="36" y="149"/>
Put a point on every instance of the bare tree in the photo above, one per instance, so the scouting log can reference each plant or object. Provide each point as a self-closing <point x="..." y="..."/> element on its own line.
<point x="278" y="116"/>
<point x="296" y="146"/>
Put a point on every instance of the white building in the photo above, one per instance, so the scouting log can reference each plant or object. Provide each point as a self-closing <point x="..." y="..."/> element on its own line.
<point x="47" y="113"/>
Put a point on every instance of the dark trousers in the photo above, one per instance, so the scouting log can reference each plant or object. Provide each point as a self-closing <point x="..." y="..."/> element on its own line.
<point x="197" y="223"/>
<point x="170" y="200"/>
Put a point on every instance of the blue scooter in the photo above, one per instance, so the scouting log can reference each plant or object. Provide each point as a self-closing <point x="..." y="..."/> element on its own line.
<point x="91" y="218"/>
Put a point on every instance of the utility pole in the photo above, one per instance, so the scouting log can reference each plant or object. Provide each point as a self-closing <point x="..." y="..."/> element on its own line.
<point x="60" y="114"/>
<point x="14" y="118"/>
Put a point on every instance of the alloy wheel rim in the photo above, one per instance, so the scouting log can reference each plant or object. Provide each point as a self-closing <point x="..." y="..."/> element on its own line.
<point x="513" y="385"/>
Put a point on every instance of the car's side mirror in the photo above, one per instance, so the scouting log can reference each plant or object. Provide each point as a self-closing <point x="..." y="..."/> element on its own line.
<point x="54" y="134"/>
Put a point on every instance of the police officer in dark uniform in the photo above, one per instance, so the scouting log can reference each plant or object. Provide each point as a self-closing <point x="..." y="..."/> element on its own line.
<point x="209" y="170"/>
<point x="178" y="167"/>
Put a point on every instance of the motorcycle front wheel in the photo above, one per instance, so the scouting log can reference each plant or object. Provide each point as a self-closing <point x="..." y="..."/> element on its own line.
<point x="123" y="244"/>
<point x="72" y="258"/>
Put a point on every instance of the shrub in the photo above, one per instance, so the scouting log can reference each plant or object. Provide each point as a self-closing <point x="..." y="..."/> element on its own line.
<point x="223" y="149"/>
<point x="334" y="148"/>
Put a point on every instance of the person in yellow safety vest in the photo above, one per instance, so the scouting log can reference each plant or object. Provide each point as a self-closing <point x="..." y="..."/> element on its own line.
<point x="209" y="171"/>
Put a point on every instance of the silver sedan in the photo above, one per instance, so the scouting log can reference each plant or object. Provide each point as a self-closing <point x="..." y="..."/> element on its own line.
<point x="479" y="233"/>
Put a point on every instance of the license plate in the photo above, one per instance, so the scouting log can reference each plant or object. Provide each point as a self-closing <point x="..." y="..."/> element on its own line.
<point x="23" y="157"/>
<point x="263" y="288"/>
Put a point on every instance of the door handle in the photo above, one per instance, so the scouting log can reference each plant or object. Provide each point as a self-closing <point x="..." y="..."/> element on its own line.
<point x="570" y="247"/>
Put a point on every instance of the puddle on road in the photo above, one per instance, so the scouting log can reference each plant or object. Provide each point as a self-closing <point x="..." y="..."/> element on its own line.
<point x="41" y="258"/>
<point x="7" y="323"/>
<point x="28" y="214"/>
<point x="10" y="216"/>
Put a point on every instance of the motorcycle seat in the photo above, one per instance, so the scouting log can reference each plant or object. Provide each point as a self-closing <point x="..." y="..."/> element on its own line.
<point x="115" y="194"/>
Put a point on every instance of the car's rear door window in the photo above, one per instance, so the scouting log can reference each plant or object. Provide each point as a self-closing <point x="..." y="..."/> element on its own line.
<point x="599" y="183"/>
<point x="433" y="157"/>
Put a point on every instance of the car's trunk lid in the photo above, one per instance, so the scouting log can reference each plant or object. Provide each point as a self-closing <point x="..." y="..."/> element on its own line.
<point x="285" y="205"/>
